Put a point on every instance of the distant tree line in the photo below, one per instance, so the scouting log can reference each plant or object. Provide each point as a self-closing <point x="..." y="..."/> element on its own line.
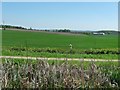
<point x="13" y="27"/>
<point x="57" y="30"/>
<point x="20" y="27"/>
<point x="62" y="30"/>
<point x="87" y="33"/>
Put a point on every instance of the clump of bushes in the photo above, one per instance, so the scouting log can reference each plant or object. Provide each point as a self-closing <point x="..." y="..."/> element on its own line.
<point x="63" y="51"/>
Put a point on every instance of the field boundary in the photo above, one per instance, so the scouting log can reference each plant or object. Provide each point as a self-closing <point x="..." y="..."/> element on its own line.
<point x="44" y="58"/>
<point x="48" y="32"/>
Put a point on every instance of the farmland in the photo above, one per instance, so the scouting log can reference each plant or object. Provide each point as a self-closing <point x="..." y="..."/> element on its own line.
<point x="42" y="40"/>
<point x="59" y="46"/>
<point x="21" y="43"/>
<point x="49" y="74"/>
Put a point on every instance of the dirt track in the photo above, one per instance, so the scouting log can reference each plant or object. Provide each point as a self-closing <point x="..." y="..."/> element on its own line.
<point x="41" y="58"/>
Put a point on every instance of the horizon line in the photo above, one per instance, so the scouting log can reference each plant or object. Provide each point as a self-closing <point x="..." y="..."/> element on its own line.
<point x="109" y="29"/>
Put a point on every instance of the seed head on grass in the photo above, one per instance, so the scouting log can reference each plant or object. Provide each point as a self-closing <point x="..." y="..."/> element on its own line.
<point x="45" y="75"/>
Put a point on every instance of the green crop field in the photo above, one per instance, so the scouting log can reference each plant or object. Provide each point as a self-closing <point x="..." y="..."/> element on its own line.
<point x="43" y="40"/>
<point x="57" y="45"/>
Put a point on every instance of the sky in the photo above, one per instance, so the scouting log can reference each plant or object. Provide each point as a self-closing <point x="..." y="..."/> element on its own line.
<point x="60" y="15"/>
<point x="60" y="0"/>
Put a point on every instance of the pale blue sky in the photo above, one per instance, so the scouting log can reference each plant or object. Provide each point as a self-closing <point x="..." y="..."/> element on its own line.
<point x="51" y="15"/>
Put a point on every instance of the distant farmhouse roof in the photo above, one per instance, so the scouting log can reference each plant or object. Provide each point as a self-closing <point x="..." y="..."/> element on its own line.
<point x="100" y="33"/>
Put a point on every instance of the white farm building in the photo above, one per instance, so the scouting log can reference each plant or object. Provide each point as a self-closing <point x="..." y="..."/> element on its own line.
<point x="101" y="33"/>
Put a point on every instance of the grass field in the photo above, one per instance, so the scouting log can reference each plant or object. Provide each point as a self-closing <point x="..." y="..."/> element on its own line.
<point x="43" y="40"/>
<point x="58" y="43"/>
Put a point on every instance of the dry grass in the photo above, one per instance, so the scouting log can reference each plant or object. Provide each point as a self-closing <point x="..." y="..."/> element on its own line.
<point x="62" y="75"/>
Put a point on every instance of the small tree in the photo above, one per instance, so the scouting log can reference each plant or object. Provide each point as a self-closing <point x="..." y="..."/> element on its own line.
<point x="30" y="28"/>
<point x="3" y="26"/>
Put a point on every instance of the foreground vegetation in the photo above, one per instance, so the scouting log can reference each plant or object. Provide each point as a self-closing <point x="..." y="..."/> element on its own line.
<point x="60" y="74"/>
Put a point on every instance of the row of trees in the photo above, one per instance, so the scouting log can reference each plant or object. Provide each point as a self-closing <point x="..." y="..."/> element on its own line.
<point x="62" y="30"/>
<point x="19" y="27"/>
<point x="57" y="30"/>
<point x="9" y="26"/>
